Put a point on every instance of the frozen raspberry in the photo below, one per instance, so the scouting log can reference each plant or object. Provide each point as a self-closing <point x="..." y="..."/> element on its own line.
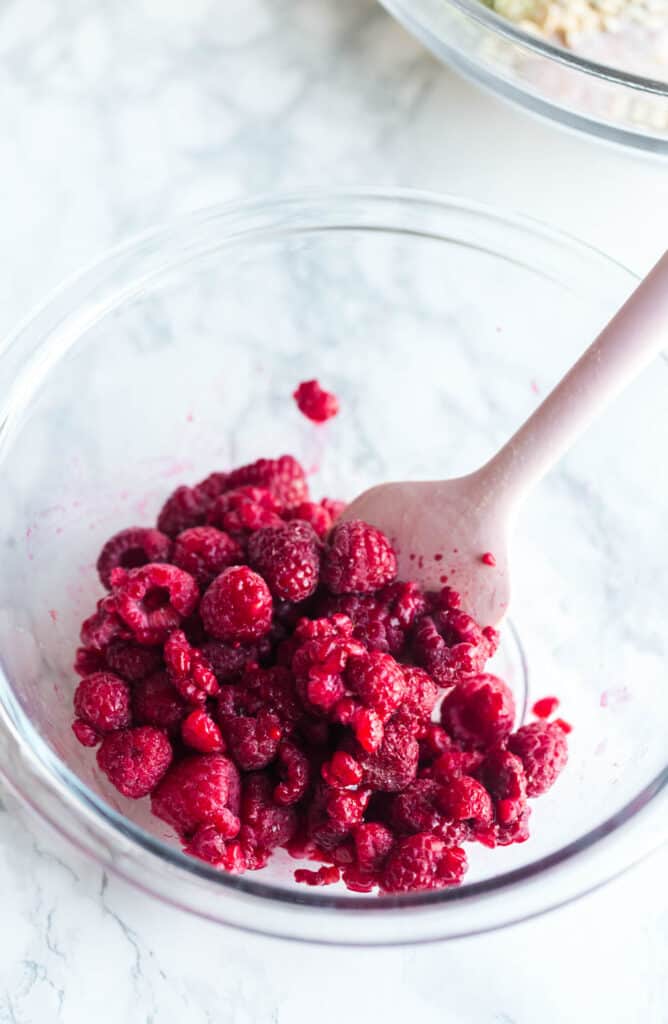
<point x="204" y="551"/>
<point x="434" y="741"/>
<point x="328" y="874"/>
<point x="418" y="809"/>
<point x="131" y="548"/>
<point x="213" y="485"/>
<point x="420" y="693"/>
<point x="228" y="661"/>
<point x="366" y="723"/>
<point x="189" y="670"/>
<point x="283" y="477"/>
<point x="359" y="558"/>
<point x="208" y="844"/>
<point x="333" y="813"/>
<point x="185" y="508"/>
<point x="264" y="825"/>
<point x="203" y="789"/>
<point x="342" y="770"/>
<point x="373" y="624"/>
<point x="377" y="681"/>
<point x="479" y="712"/>
<point x="200" y="732"/>
<point x="103" y="626"/>
<point x="244" y="510"/>
<point x="318" y="663"/>
<point x="237" y="606"/>
<point x="87" y="661"/>
<point x="448" y="643"/>
<point x="503" y="775"/>
<point x="314" y="514"/>
<point x="422" y="862"/>
<point x="373" y="842"/>
<point x="453" y="763"/>
<point x="135" y="760"/>
<point x="270" y="690"/>
<point x="102" y="700"/>
<point x="131" y="661"/>
<point x="153" y="599"/>
<point x="543" y="750"/>
<point x="334" y="507"/>
<point x="252" y="742"/>
<point x="405" y="602"/>
<point x="465" y="799"/>
<point x="156" y="702"/>
<point x="85" y="733"/>
<point x="314" y="402"/>
<point x="288" y="558"/>
<point x="295" y="774"/>
<point x="394" y="765"/>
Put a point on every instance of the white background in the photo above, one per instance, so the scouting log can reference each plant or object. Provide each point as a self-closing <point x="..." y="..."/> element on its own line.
<point x="114" y="116"/>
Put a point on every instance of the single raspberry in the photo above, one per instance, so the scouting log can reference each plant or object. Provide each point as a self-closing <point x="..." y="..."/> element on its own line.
<point x="212" y="485"/>
<point x="465" y="799"/>
<point x="228" y="661"/>
<point x="373" y="843"/>
<point x="314" y="402"/>
<point x="283" y="477"/>
<point x="204" y="551"/>
<point x="103" y="626"/>
<point x="270" y="690"/>
<point x="454" y="763"/>
<point x="377" y="681"/>
<point x="237" y="606"/>
<point x="502" y="773"/>
<point x="264" y="825"/>
<point x="244" y="510"/>
<point x="318" y="663"/>
<point x="87" y="661"/>
<point x="252" y="742"/>
<point x="341" y="771"/>
<point x="185" y="508"/>
<point x="189" y="670"/>
<point x="203" y="789"/>
<point x="420" y="693"/>
<point x="373" y="623"/>
<point x="85" y="733"/>
<point x="131" y="548"/>
<point x="543" y="750"/>
<point x="448" y="643"/>
<point x="156" y="702"/>
<point x="422" y="862"/>
<point x="394" y="765"/>
<point x="288" y="558"/>
<point x="359" y="558"/>
<point x="333" y="813"/>
<point x="434" y="741"/>
<point x="200" y="732"/>
<point x="418" y="809"/>
<point x="102" y="700"/>
<point x="313" y="513"/>
<point x="328" y="874"/>
<point x="479" y="712"/>
<point x="131" y="661"/>
<point x="135" y="760"/>
<point x="405" y="603"/>
<point x="366" y="724"/>
<point x="153" y="599"/>
<point x="207" y="844"/>
<point x="295" y="773"/>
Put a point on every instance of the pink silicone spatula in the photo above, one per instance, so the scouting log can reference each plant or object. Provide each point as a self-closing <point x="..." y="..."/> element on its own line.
<point x="467" y="518"/>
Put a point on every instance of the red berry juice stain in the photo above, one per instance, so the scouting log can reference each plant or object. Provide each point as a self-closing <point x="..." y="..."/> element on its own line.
<point x="412" y="556"/>
<point x="54" y="614"/>
<point x="534" y="387"/>
<point x="563" y="725"/>
<point x="545" y="707"/>
<point x="443" y="579"/>
<point x="189" y="418"/>
<point x="488" y="558"/>
<point x="438" y="557"/>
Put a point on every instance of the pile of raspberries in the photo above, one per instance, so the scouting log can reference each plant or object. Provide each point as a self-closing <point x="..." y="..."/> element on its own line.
<point x="257" y="670"/>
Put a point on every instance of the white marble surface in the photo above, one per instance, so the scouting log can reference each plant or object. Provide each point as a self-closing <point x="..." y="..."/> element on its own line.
<point x="116" y="116"/>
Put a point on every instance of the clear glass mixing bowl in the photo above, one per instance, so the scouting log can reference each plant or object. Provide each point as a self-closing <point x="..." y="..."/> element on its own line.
<point x="439" y="323"/>
<point x="598" y="99"/>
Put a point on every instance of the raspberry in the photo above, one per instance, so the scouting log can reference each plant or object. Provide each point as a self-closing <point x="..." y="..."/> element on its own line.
<point x="326" y="875"/>
<point x="448" y="643"/>
<point x="342" y="770"/>
<point x="479" y="712"/>
<point x="185" y="508"/>
<point x="503" y="775"/>
<point x="252" y="742"/>
<point x="135" y="760"/>
<point x="418" y="809"/>
<point x="131" y="548"/>
<point x="102" y="700"/>
<point x="208" y="845"/>
<point x="394" y="765"/>
<point x="333" y="813"/>
<point x="212" y="485"/>
<point x="103" y="626"/>
<point x="188" y="670"/>
<point x="203" y="789"/>
<point x="420" y="693"/>
<point x="228" y="661"/>
<point x="359" y="558"/>
<point x="378" y="681"/>
<point x="87" y="661"/>
<point x="153" y="599"/>
<point x="373" y="843"/>
<point x="131" y="661"/>
<point x="422" y="862"/>
<point x="434" y="741"/>
<point x="314" y="402"/>
<point x="204" y="551"/>
<point x="334" y="507"/>
<point x="156" y="702"/>
<point x="295" y="774"/>
<point x="85" y="733"/>
<point x="314" y="514"/>
<point x="271" y="690"/>
<point x="319" y="662"/>
<point x="244" y="510"/>
<point x="200" y="732"/>
<point x="237" y="606"/>
<point x="543" y="750"/>
<point x="264" y="825"/>
<point x="465" y="799"/>
<point x="367" y="726"/>
<point x="455" y="762"/>
<point x="374" y="626"/>
<point x="288" y="558"/>
<point x="283" y="477"/>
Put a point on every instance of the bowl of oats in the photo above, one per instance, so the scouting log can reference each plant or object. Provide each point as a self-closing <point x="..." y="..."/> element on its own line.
<point x="596" y="66"/>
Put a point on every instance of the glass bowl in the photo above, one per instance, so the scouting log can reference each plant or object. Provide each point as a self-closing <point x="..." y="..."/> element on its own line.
<point x="439" y="323"/>
<point x="546" y="79"/>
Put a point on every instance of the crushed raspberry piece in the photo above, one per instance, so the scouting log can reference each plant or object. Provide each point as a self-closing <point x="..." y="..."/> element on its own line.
<point x="200" y="732"/>
<point x="156" y="702"/>
<point x="359" y="558"/>
<point x="103" y="626"/>
<point x="102" y="700"/>
<point x="189" y="670"/>
<point x="130" y="549"/>
<point x="319" y="662"/>
<point x="543" y="750"/>
<point x="342" y="770"/>
<point x="252" y="742"/>
<point x="563" y="725"/>
<point x="85" y="733"/>
<point x="153" y="599"/>
<point x="87" y="661"/>
<point x="394" y="765"/>
<point x="503" y="776"/>
<point x="135" y="760"/>
<point x="208" y="844"/>
<point x="288" y="558"/>
<point x="204" y="551"/>
<point x="314" y="402"/>
<point x="295" y="773"/>
<point x="326" y="875"/>
<point x="283" y="477"/>
<point x="479" y="712"/>
<point x="237" y="606"/>
<point x="244" y="510"/>
<point x="185" y="508"/>
<point x="450" y="644"/>
<point x="422" y="862"/>
<point x="203" y="789"/>
<point x="545" y="707"/>
<point x="265" y="825"/>
<point x="313" y="513"/>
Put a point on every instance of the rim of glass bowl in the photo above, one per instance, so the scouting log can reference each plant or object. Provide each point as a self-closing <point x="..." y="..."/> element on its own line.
<point x="477" y="11"/>
<point x="38" y="775"/>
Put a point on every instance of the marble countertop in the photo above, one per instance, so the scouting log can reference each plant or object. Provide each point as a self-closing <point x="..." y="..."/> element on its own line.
<point x="115" y="116"/>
